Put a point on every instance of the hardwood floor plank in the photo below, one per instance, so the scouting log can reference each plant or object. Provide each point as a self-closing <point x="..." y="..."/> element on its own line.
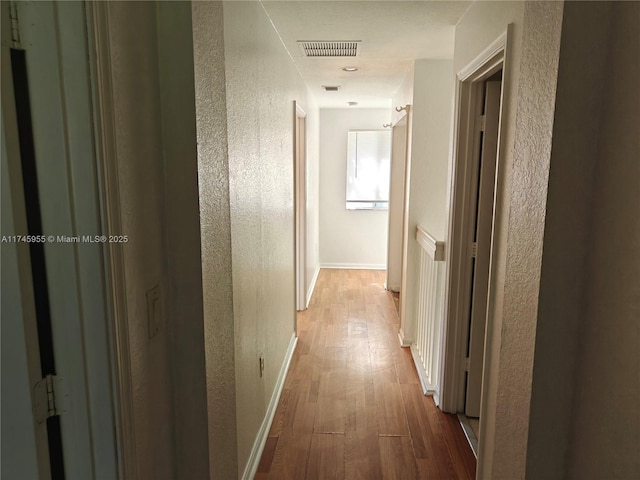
<point x="291" y="455"/>
<point x="358" y="367"/>
<point x="267" y="455"/>
<point x="392" y="418"/>
<point x="362" y="456"/>
<point x="361" y="411"/>
<point x="326" y="457"/>
<point x="398" y="462"/>
<point x="405" y="367"/>
<point x="383" y="365"/>
<point x="331" y="407"/>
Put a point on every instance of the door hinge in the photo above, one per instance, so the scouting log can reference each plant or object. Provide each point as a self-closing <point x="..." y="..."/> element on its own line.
<point x="44" y="398"/>
<point x="15" y="26"/>
<point x="466" y="364"/>
<point x="483" y="122"/>
<point x="474" y="249"/>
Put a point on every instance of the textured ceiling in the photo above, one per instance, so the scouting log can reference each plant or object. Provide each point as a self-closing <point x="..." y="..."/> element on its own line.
<point x="393" y="34"/>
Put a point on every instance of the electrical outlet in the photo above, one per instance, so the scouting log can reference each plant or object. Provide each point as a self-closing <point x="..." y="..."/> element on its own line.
<point x="261" y="366"/>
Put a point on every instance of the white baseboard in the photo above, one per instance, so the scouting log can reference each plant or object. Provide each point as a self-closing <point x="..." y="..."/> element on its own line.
<point x="403" y="341"/>
<point x="313" y="285"/>
<point x="427" y="388"/>
<point x="355" y="266"/>
<point x="261" y="438"/>
<point x="393" y="288"/>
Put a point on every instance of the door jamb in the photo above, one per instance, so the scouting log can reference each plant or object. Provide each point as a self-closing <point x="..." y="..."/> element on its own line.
<point x="106" y="151"/>
<point x="402" y="303"/>
<point x="300" y="203"/>
<point x="402" y="116"/>
<point x="457" y="278"/>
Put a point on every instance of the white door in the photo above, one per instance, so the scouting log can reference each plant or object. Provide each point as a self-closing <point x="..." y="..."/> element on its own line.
<point x="482" y="231"/>
<point x="396" y="204"/>
<point x="25" y="448"/>
<point x="61" y="307"/>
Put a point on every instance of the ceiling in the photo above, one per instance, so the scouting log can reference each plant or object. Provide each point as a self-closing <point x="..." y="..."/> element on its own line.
<point x="393" y="34"/>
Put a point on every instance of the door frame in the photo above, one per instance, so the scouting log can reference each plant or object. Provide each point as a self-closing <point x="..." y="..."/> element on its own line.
<point x="457" y="272"/>
<point x="106" y="147"/>
<point x="300" y="205"/>
<point x="402" y="301"/>
<point x="401" y="182"/>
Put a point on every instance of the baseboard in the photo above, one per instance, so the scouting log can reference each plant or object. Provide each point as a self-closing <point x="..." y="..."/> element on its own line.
<point x="261" y="438"/>
<point x="355" y="266"/>
<point x="403" y="341"/>
<point x="312" y="286"/>
<point x="469" y="433"/>
<point x="427" y="388"/>
<point x="393" y="288"/>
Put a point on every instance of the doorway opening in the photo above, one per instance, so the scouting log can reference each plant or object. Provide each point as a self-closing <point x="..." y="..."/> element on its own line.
<point x="474" y="208"/>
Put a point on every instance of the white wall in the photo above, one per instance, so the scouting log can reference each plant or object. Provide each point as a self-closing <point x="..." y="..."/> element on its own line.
<point x="262" y="84"/>
<point x="348" y="238"/>
<point x="567" y="244"/>
<point x="403" y="96"/>
<point x="430" y="140"/>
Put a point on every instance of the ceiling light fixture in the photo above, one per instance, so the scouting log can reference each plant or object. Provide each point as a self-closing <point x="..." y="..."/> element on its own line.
<point x="350" y="69"/>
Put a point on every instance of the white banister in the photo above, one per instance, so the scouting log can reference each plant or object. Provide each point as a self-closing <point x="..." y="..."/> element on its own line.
<point x="426" y="348"/>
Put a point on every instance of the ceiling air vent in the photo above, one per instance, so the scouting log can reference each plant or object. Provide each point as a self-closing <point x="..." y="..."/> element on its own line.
<point x="330" y="88"/>
<point x="350" y="48"/>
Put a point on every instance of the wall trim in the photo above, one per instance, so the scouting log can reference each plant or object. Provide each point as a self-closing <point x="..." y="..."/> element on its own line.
<point x="97" y="20"/>
<point x="261" y="438"/>
<point x="354" y="266"/>
<point x="312" y="286"/>
<point x="402" y="339"/>
<point x="433" y="247"/>
<point x="427" y="388"/>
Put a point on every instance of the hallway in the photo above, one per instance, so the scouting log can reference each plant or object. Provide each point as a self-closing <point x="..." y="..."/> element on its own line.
<point x="352" y="406"/>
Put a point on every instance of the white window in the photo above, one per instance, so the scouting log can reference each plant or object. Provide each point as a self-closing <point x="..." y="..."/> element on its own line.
<point x="368" y="167"/>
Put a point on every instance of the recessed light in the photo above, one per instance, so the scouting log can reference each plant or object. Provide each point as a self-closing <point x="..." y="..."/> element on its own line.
<point x="350" y="69"/>
<point x="352" y="104"/>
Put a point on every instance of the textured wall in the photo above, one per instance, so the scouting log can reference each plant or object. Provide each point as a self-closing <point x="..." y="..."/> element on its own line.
<point x="574" y="154"/>
<point x="213" y="175"/>
<point x="525" y="231"/>
<point x="606" y="417"/>
<point x="347" y="237"/>
<point x="262" y="84"/>
<point x="433" y="85"/>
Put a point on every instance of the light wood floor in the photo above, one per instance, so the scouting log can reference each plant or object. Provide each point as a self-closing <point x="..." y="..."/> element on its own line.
<point x="352" y="406"/>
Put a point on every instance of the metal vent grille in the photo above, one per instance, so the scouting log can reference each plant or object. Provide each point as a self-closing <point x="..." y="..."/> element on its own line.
<point x="349" y="48"/>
